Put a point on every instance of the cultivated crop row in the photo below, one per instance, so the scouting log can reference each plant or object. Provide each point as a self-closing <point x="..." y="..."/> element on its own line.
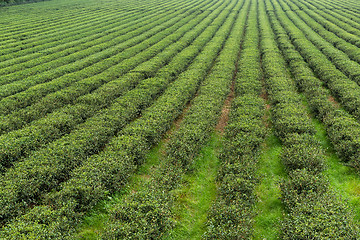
<point x="351" y="51"/>
<point x="122" y="52"/>
<point x="120" y="100"/>
<point x="68" y="44"/>
<point x="231" y="216"/>
<point x="150" y="212"/>
<point x="331" y="17"/>
<point x="27" y="40"/>
<point x="343" y="130"/>
<point x="348" y="50"/>
<point x="339" y="28"/>
<point x="313" y="210"/>
<point x="347" y="6"/>
<point x="20" y="143"/>
<point x="114" y="24"/>
<point x="40" y="24"/>
<point x="347" y="91"/>
<point x="342" y="13"/>
<point x="85" y="59"/>
<point x="112" y="67"/>
<point x="27" y="34"/>
<point x="99" y="129"/>
<point x="339" y="58"/>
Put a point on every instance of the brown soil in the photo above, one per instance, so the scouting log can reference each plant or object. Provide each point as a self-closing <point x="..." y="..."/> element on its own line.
<point x="333" y="101"/>
<point x="176" y="124"/>
<point x="264" y="95"/>
<point x="224" y="118"/>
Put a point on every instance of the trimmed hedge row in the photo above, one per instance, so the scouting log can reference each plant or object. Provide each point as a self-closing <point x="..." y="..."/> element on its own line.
<point x="50" y="44"/>
<point x="130" y="143"/>
<point x="58" y="19"/>
<point x="156" y="218"/>
<point x="88" y="63"/>
<point x="67" y="44"/>
<point x="344" y="55"/>
<point x="18" y="35"/>
<point x="59" y="55"/>
<point x="349" y="49"/>
<point x="22" y="142"/>
<point x="109" y="66"/>
<point x="61" y="43"/>
<point x="32" y="25"/>
<point x="336" y="12"/>
<point x="343" y="130"/>
<point x="314" y="211"/>
<point x="339" y="28"/>
<point x="344" y="6"/>
<point x="108" y="171"/>
<point x="104" y="84"/>
<point x="231" y="216"/>
<point x="347" y="91"/>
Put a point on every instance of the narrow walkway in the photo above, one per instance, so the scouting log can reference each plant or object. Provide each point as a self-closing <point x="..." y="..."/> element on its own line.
<point x="197" y="193"/>
<point x="343" y="179"/>
<point x="269" y="208"/>
<point x="95" y="222"/>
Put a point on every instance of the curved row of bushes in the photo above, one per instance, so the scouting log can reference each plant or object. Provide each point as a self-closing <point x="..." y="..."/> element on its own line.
<point x="324" y="41"/>
<point x="343" y="130"/>
<point x="25" y="48"/>
<point x="32" y="24"/>
<point x="339" y="25"/>
<point x="113" y="165"/>
<point x="339" y="28"/>
<point x="89" y="80"/>
<point x="62" y="38"/>
<point x="22" y="142"/>
<point x="85" y="65"/>
<point x="39" y="25"/>
<point x="314" y="211"/>
<point x="231" y="216"/>
<point x="149" y="212"/>
<point x="55" y="52"/>
<point x="347" y="6"/>
<point x="122" y="152"/>
<point x="347" y="91"/>
<point x="349" y="51"/>
<point x="54" y="45"/>
<point x="31" y="40"/>
<point x="337" y="12"/>
<point x="107" y="63"/>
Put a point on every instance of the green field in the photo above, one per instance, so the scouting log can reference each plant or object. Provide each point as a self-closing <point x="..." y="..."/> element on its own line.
<point x="187" y="119"/>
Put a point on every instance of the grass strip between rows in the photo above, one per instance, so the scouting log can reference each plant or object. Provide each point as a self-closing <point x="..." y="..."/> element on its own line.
<point x="21" y="143"/>
<point x="131" y="143"/>
<point x="195" y="129"/>
<point x="314" y="210"/>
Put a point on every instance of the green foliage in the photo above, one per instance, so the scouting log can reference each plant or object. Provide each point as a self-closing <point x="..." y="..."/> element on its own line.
<point x="342" y="128"/>
<point x="302" y="151"/>
<point x="300" y="187"/>
<point x="86" y="93"/>
<point x="143" y="217"/>
<point x="231" y="216"/>
<point x="229" y="221"/>
<point x="41" y="132"/>
<point x="187" y="141"/>
<point x="314" y="211"/>
<point x="114" y="164"/>
<point x="39" y="223"/>
<point x="319" y="216"/>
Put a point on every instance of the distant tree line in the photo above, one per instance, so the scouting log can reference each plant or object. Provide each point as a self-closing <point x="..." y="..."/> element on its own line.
<point x="13" y="2"/>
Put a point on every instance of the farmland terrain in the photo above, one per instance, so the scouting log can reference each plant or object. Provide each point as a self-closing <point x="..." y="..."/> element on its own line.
<point x="187" y="119"/>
